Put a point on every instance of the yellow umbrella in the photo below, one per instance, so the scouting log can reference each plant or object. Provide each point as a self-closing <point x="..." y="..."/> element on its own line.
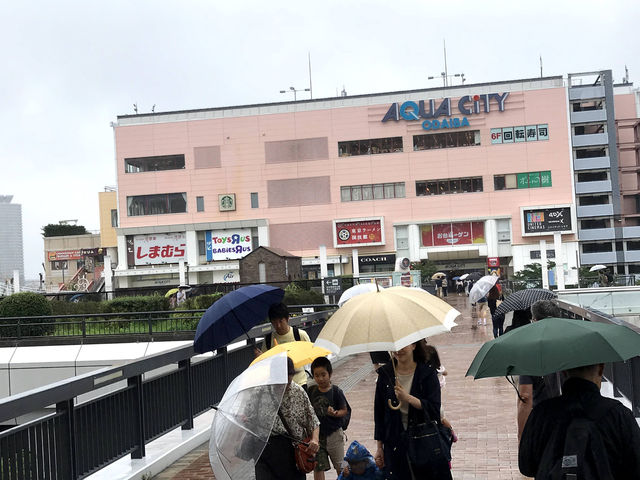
<point x="171" y="292"/>
<point x="388" y="320"/>
<point x="301" y="352"/>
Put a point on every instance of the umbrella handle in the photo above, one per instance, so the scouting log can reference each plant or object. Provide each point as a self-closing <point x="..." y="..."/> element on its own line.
<point x="392" y="406"/>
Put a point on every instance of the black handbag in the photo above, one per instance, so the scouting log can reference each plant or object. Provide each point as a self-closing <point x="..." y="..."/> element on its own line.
<point x="429" y="442"/>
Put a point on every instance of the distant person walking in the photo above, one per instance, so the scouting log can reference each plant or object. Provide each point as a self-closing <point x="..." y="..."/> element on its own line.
<point x="445" y="286"/>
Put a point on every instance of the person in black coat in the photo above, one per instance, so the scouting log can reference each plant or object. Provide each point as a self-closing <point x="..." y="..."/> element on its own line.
<point x="418" y="390"/>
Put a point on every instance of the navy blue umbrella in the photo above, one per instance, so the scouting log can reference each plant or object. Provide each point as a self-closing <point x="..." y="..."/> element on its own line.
<point x="234" y="314"/>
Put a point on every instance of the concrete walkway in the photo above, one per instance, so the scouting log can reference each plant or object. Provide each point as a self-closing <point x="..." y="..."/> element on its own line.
<point x="483" y="412"/>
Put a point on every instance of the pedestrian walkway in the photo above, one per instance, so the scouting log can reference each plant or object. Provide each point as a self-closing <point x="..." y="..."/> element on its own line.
<point x="482" y="412"/>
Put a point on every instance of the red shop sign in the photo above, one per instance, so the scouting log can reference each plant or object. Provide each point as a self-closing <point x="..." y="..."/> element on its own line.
<point x="493" y="262"/>
<point x="361" y="232"/>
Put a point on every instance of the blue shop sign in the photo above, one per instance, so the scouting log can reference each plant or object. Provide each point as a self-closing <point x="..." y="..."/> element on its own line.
<point x="427" y="110"/>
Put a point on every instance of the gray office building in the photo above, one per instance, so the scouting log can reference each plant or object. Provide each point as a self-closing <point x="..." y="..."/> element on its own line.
<point x="11" y="250"/>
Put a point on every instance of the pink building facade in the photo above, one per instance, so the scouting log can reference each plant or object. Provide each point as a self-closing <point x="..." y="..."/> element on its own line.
<point x="471" y="177"/>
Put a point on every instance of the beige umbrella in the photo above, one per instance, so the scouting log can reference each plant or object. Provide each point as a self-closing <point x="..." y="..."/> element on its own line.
<point x="438" y="275"/>
<point x="388" y="320"/>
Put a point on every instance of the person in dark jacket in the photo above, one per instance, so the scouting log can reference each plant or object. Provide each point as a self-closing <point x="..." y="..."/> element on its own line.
<point x="417" y="388"/>
<point x="497" y="320"/>
<point x="550" y="420"/>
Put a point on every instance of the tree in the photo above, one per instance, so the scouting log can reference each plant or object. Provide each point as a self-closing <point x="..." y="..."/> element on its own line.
<point x="427" y="269"/>
<point x="531" y="275"/>
<point x="62" y="230"/>
<point x="25" y="304"/>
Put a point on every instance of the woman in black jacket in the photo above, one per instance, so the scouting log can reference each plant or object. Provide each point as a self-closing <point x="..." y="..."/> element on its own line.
<point x="415" y="384"/>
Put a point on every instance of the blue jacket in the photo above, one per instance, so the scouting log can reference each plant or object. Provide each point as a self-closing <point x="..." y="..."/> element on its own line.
<point x="356" y="453"/>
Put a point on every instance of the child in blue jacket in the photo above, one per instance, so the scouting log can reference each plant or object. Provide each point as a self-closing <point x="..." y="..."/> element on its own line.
<point x="361" y="464"/>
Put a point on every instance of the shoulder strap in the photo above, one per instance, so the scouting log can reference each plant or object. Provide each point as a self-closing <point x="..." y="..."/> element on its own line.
<point x="286" y="426"/>
<point x="267" y="340"/>
<point x="296" y="333"/>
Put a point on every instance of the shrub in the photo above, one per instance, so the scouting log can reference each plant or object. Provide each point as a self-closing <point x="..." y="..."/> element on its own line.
<point x="25" y="304"/>
<point x="62" y="307"/>
<point x="202" y="302"/>
<point x="149" y="303"/>
<point x="296" y="295"/>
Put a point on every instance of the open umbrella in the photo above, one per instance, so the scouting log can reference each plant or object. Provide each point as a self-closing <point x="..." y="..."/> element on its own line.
<point x="244" y="418"/>
<point x="356" y="290"/>
<point x="302" y="353"/>
<point x="552" y="345"/>
<point x="464" y="277"/>
<point x="234" y="314"/>
<point x="595" y="268"/>
<point x="482" y="287"/>
<point x="386" y="320"/>
<point x="438" y="275"/>
<point x="523" y="299"/>
<point x="475" y="276"/>
<point x="173" y="291"/>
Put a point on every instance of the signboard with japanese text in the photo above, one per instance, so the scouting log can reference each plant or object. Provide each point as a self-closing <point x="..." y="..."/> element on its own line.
<point x="530" y="133"/>
<point x="228" y="244"/>
<point x="545" y="220"/>
<point x="353" y="233"/>
<point x="65" y="255"/>
<point x="493" y="261"/>
<point x="459" y="233"/>
<point x="159" y="248"/>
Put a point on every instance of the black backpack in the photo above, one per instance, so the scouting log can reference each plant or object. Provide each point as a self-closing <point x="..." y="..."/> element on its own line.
<point x="577" y="453"/>
<point x="347" y="418"/>
<point x="268" y="336"/>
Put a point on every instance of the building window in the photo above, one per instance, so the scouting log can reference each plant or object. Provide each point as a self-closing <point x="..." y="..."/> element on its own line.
<point x="448" y="185"/>
<point x="372" y="146"/>
<point x="594" y="223"/>
<point x="356" y="193"/>
<point x="537" y="255"/>
<point x="254" y="200"/>
<point x="432" y="141"/>
<point x="200" y="204"/>
<point x="511" y="181"/>
<point x="157" y="204"/>
<point x="202" y="247"/>
<point x="153" y="164"/>
<point x="591" y="153"/>
<point x="633" y="245"/>
<point x="593" y="176"/>
<point x="596" y="247"/>
<point x="593" y="200"/>
<point x="114" y="218"/>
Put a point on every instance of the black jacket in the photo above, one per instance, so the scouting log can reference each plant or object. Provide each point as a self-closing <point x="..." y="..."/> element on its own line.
<point x="388" y="422"/>
<point x="618" y="429"/>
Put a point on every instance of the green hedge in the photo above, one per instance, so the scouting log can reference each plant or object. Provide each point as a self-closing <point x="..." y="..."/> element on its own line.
<point x="136" y="304"/>
<point x="25" y="304"/>
<point x="294" y="294"/>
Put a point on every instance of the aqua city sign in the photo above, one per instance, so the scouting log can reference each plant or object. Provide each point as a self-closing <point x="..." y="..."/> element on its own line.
<point x="427" y="110"/>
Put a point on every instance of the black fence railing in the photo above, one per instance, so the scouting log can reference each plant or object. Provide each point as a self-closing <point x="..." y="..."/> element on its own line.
<point x="78" y="439"/>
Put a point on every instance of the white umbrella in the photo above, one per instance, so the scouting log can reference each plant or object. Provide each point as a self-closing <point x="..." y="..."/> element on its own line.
<point x="356" y="290"/>
<point x="464" y="277"/>
<point x="595" y="268"/>
<point x="244" y="418"/>
<point x="482" y="287"/>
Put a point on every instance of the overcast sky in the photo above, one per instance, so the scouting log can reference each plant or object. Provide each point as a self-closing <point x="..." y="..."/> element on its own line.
<point x="70" y="67"/>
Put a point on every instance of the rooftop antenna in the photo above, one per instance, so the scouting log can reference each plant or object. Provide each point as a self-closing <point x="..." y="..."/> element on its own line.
<point x="626" y="74"/>
<point x="153" y="109"/>
<point x="540" y="66"/>
<point x="343" y="93"/>
<point x="446" y="72"/>
<point x="135" y="108"/>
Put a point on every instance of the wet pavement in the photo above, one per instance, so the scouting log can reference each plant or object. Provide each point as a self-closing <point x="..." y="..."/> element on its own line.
<point x="482" y="412"/>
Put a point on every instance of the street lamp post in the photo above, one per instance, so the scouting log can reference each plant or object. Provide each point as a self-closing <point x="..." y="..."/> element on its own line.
<point x="445" y="78"/>
<point x="295" y="91"/>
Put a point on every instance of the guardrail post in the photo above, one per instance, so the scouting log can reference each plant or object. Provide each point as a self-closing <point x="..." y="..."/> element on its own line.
<point x="136" y="382"/>
<point x="84" y="328"/>
<point x="225" y="361"/>
<point x="150" y="325"/>
<point x="19" y="332"/>
<point x="185" y="365"/>
<point x="66" y="452"/>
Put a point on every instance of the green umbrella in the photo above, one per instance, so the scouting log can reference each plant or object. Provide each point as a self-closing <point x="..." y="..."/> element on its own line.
<point x="552" y="345"/>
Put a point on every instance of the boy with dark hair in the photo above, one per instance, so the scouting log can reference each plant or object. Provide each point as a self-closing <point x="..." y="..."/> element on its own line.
<point x="330" y="406"/>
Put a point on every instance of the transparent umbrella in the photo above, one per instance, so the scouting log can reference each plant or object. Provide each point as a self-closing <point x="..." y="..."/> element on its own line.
<point x="244" y="418"/>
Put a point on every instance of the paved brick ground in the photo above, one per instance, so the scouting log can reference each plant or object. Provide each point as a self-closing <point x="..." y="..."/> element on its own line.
<point x="483" y="412"/>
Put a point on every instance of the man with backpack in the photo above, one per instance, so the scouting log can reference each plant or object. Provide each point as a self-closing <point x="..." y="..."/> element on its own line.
<point x="283" y="333"/>
<point x="581" y="434"/>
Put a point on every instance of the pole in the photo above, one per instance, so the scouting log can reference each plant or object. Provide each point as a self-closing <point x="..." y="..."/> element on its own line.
<point x="310" y="87"/>
<point x="540" y="66"/>
<point x="446" y="72"/>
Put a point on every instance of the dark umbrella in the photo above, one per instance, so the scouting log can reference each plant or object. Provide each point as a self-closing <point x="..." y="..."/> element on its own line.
<point x="234" y="314"/>
<point x="475" y="276"/>
<point x="523" y="299"/>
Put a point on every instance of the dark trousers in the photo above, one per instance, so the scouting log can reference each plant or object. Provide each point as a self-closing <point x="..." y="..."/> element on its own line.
<point x="277" y="461"/>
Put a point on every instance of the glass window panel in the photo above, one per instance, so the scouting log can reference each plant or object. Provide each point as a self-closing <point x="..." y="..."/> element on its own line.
<point x="499" y="182"/>
<point x="378" y="191"/>
<point x="367" y="192"/>
<point x="454" y="185"/>
<point x="389" y="190"/>
<point x="397" y="144"/>
<point x="400" y="190"/>
<point x="511" y="180"/>
<point x="432" y="188"/>
<point x="356" y="193"/>
<point x="443" y="187"/>
<point x="466" y="185"/>
<point x="421" y="189"/>
<point x="345" y="194"/>
<point x="477" y="184"/>
<point x="365" y="147"/>
<point x="200" y="204"/>
<point x="254" y="200"/>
